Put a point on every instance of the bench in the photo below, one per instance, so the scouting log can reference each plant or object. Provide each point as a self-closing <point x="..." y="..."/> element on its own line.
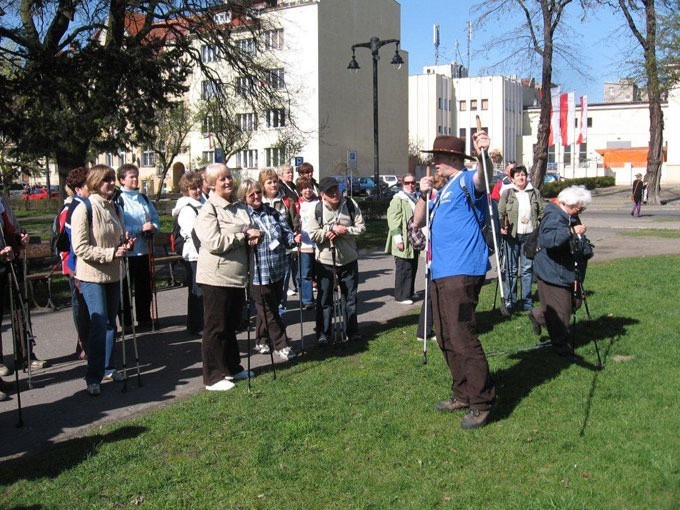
<point x="163" y="255"/>
<point x="42" y="267"/>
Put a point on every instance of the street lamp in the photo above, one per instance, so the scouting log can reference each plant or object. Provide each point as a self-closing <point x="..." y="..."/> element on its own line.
<point x="374" y="45"/>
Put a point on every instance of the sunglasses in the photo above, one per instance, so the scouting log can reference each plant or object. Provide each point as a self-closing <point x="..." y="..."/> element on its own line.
<point x="409" y="182"/>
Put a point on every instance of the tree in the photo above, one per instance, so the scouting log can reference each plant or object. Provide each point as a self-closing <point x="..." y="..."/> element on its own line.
<point x="221" y="122"/>
<point x="173" y="125"/>
<point x="86" y="76"/>
<point x="535" y="38"/>
<point x="642" y="18"/>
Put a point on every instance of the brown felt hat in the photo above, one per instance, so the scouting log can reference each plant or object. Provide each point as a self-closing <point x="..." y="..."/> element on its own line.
<point x="449" y="145"/>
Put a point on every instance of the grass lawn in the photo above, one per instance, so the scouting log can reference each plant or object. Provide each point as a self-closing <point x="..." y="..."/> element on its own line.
<point x="354" y="426"/>
<point x="652" y="232"/>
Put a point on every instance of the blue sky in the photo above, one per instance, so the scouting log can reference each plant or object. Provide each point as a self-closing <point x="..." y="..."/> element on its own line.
<point x="600" y="41"/>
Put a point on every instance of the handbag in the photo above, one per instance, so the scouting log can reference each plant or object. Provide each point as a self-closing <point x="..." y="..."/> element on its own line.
<point x="415" y="235"/>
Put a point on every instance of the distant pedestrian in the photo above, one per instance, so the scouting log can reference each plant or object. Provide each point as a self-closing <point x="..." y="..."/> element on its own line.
<point x="399" y="212"/>
<point x="636" y="195"/>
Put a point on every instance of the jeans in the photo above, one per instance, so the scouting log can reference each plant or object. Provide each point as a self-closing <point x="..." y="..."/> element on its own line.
<point x="348" y="279"/>
<point x="514" y="253"/>
<point x="102" y="303"/>
<point x="307" y="278"/>
<point x="81" y="316"/>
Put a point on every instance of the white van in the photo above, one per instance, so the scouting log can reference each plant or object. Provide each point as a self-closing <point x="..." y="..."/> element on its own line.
<point x="390" y="180"/>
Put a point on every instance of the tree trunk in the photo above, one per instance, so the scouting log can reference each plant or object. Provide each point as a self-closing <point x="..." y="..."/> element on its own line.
<point x="655" y="154"/>
<point x="67" y="161"/>
<point x="540" y="165"/>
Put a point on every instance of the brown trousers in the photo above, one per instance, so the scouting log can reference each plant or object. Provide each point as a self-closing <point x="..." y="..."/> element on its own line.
<point x="454" y="300"/>
<point x="555" y="311"/>
<point x="268" y="323"/>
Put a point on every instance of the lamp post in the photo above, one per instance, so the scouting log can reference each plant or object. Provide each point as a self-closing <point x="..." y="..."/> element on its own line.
<point x="374" y="45"/>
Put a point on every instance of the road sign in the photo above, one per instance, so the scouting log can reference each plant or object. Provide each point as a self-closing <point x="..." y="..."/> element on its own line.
<point x="352" y="160"/>
<point x="298" y="160"/>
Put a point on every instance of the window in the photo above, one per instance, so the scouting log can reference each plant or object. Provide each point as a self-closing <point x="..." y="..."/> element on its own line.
<point x="148" y="157"/>
<point x="246" y="121"/>
<point x="109" y="159"/>
<point x="223" y="17"/>
<point x="275" y="78"/>
<point x="462" y="133"/>
<point x="439" y="103"/>
<point x="583" y="153"/>
<point x="567" y="155"/>
<point x="276" y="118"/>
<point x="208" y="157"/>
<point x="245" y="85"/>
<point x="551" y="154"/>
<point x="246" y="46"/>
<point x="589" y="122"/>
<point x="122" y="158"/>
<point x="246" y="159"/>
<point x="209" y="53"/>
<point x="209" y="89"/>
<point x="274" y="156"/>
<point x="473" y="105"/>
<point x="439" y="129"/>
<point x="208" y="125"/>
<point x="485" y="104"/>
<point x="273" y="39"/>
<point x="462" y="106"/>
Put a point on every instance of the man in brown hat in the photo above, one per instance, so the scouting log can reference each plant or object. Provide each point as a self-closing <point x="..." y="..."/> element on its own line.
<point x="460" y="260"/>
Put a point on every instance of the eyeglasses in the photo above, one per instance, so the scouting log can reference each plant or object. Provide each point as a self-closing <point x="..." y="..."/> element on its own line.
<point x="409" y="183"/>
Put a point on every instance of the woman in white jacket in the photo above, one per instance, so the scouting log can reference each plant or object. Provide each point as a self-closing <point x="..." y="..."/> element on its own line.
<point x="185" y="212"/>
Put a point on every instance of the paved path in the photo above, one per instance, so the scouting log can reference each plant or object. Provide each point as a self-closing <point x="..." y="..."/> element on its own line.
<point x="57" y="408"/>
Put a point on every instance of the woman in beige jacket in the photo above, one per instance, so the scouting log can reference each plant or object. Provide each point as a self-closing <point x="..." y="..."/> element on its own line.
<point x="100" y="243"/>
<point x="224" y="229"/>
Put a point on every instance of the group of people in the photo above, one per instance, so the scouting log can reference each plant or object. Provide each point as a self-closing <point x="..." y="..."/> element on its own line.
<point x="243" y="246"/>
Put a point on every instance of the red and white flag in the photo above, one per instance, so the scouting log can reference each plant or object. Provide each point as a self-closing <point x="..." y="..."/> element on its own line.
<point x="554" y="137"/>
<point x="567" y="118"/>
<point x="583" y="123"/>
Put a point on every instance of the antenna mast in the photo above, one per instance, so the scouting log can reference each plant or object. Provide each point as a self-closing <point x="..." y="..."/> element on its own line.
<point x="435" y="41"/>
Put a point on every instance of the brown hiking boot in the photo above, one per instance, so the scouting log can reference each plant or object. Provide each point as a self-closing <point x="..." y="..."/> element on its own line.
<point x="451" y="405"/>
<point x="475" y="418"/>
<point x="535" y="326"/>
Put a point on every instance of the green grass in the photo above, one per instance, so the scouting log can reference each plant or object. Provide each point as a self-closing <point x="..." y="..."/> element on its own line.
<point x="652" y="232"/>
<point x="354" y="426"/>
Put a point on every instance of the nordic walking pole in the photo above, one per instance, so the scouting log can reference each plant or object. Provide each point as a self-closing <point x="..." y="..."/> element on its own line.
<point x="26" y="312"/>
<point x="492" y="217"/>
<point x="122" y="320"/>
<point x="247" y="309"/>
<point x="302" y="332"/>
<point x="133" y="312"/>
<point x="426" y="329"/>
<point x="338" y="312"/>
<point x="15" y="339"/>
<point x="152" y="280"/>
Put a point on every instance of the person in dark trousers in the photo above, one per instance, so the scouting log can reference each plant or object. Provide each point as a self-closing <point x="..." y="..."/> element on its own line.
<point x="636" y="194"/>
<point x="334" y="231"/>
<point x="460" y="260"/>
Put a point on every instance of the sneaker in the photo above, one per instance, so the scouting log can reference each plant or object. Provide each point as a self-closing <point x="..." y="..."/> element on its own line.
<point x="94" y="389"/>
<point x="114" y="376"/>
<point x="429" y="338"/>
<point x="405" y="302"/>
<point x="475" y="418"/>
<point x="242" y="375"/>
<point x="3" y="370"/>
<point x="286" y="353"/>
<point x="535" y="326"/>
<point x="262" y="349"/>
<point x="37" y="364"/>
<point x="322" y="340"/>
<point x="222" y="385"/>
<point x="307" y="306"/>
<point x="451" y="405"/>
<point x="291" y="292"/>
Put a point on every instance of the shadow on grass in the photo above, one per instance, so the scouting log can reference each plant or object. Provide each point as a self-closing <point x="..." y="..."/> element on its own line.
<point x="537" y="366"/>
<point x="62" y="456"/>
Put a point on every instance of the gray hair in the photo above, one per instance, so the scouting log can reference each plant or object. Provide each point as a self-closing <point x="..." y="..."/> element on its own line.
<point x="575" y="196"/>
<point x="213" y="170"/>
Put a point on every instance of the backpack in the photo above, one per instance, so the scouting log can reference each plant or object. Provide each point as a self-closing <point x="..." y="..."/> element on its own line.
<point x="60" y="240"/>
<point x="176" y="239"/>
<point x="318" y="211"/>
<point x="484" y="225"/>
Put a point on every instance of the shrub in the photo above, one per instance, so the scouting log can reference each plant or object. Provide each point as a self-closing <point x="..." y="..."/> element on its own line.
<point x="552" y="189"/>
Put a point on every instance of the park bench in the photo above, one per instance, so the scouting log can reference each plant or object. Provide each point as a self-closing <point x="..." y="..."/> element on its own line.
<point x="164" y="256"/>
<point x="42" y="268"/>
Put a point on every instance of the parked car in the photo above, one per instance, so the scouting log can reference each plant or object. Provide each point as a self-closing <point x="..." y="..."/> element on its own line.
<point x="41" y="193"/>
<point x="390" y="179"/>
<point x="552" y="177"/>
<point x="344" y="184"/>
<point x="367" y="185"/>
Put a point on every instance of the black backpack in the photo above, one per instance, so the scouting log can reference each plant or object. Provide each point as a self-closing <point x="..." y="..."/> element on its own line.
<point x="177" y="240"/>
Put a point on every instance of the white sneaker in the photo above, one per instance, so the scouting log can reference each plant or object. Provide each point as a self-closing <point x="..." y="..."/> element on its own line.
<point x="262" y="349"/>
<point x="222" y="385"/>
<point x="290" y="292"/>
<point x="243" y="374"/>
<point x="286" y="353"/>
<point x="405" y="302"/>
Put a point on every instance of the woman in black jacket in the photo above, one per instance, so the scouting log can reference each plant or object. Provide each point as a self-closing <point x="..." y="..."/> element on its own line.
<point x="560" y="266"/>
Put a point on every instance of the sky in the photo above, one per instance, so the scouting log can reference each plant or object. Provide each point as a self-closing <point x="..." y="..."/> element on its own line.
<point x="601" y="42"/>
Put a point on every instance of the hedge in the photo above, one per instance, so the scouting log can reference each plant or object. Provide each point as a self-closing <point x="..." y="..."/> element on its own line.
<point x="552" y="189"/>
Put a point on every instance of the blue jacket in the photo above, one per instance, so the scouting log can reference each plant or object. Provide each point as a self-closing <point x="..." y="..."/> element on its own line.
<point x="554" y="263"/>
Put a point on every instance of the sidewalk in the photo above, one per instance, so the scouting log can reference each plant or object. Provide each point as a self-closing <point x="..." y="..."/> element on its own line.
<point x="58" y="408"/>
